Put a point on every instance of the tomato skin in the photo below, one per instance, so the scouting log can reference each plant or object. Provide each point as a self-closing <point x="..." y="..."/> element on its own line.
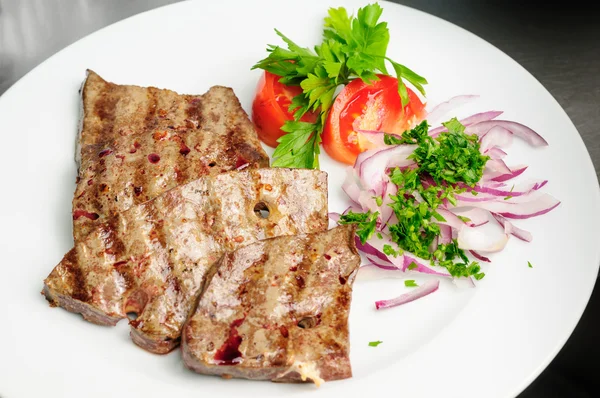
<point x="361" y="106"/>
<point x="270" y="108"/>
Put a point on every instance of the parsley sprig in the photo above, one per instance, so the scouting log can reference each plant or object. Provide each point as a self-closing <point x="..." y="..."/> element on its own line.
<point x="352" y="47"/>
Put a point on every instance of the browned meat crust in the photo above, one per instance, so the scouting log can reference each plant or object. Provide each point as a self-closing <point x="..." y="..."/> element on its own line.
<point x="138" y="142"/>
<point x="152" y="259"/>
<point x="277" y="310"/>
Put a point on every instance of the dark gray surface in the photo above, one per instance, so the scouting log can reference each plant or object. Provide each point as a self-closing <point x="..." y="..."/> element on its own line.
<point x="559" y="44"/>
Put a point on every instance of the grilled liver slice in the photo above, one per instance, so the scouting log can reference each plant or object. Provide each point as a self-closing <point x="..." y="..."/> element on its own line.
<point x="152" y="259"/>
<point x="137" y="142"/>
<point x="277" y="310"/>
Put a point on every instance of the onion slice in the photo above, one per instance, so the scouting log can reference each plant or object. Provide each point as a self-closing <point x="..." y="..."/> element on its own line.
<point x="421" y="291"/>
<point x="476" y="118"/>
<point x="512" y="229"/>
<point x="517" y="129"/>
<point x="521" y="210"/>
<point x="372" y="170"/>
<point x="475" y="239"/>
<point x="436" y="115"/>
<point x="497" y="137"/>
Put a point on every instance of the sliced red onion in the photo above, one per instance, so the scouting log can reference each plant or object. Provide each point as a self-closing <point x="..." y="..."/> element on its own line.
<point x="386" y="211"/>
<point x="480" y="117"/>
<point x="496" y="153"/>
<point x="479" y="256"/>
<point x="476" y="118"/>
<point x="367" y="202"/>
<point x="383" y="264"/>
<point x="476" y="239"/>
<point x="335" y="216"/>
<point x="445" y="235"/>
<point x="515" y="171"/>
<point x="452" y="219"/>
<point x="540" y="205"/>
<point x="517" y="129"/>
<point x="468" y="197"/>
<point x="497" y="137"/>
<point x="350" y="185"/>
<point x="496" y="166"/>
<point x="421" y="291"/>
<point x="437" y="114"/>
<point x="475" y="216"/>
<point x="372" y="171"/>
<point x="374" y="247"/>
<point x="421" y="267"/>
<point x="518" y="190"/>
<point x="365" y="155"/>
<point x="512" y="229"/>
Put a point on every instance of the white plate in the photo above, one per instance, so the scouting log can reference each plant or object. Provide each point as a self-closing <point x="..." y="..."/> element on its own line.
<point x="491" y="341"/>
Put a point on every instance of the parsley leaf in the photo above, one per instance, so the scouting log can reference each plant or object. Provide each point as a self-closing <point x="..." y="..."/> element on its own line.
<point x="529" y="264"/>
<point x="388" y="250"/>
<point x="300" y="147"/>
<point x="366" y="223"/>
<point x="375" y="343"/>
<point x="412" y="266"/>
<point x="410" y="283"/>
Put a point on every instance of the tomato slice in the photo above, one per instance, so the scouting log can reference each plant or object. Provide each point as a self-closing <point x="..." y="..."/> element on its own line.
<point x="360" y="106"/>
<point x="270" y="108"/>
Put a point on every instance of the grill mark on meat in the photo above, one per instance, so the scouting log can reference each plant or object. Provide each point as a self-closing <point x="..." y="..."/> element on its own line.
<point x="105" y="108"/>
<point x="150" y="120"/>
<point x="194" y="111"/>
<point x="78" y="284"/>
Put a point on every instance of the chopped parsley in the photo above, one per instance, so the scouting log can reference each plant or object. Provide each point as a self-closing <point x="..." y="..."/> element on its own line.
<point x="412" y="266"/>
<point x="410" y="283"/>
<point x="375" y="343"/>
<point x="446" y="166"/>
<point x="529" y="264"/>
<point x="388" y="250"/>
<point x="365" y="222"/>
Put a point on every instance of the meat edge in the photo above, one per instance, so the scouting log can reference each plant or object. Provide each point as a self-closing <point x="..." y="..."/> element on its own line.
<point x="88" y="312"/>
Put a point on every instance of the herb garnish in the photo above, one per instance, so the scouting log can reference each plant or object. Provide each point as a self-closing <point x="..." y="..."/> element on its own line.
<point x="366" y="223"/>
<point x="375" y="343"/>
<point x="529" y="264"/>
<point x="410" y="283"/>
<point x="352" y="47"/>
<point x="447" y="165"/>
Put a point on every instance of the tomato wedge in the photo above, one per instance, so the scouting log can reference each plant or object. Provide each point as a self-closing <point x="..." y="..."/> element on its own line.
<point x="270" y="108"/>
<point x="360" y="106"/>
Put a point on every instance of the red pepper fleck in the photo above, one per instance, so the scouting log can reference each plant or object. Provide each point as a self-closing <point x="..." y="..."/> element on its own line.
<point x="327" y="256"/>
<point x="105" y="152"/>
<point x="137" y="190"/>
<point x="90" y="181"/>
<point x="284" y="332"/>
<point x="153" y="158"/>
<point x="160" y="135"/>
<point x="184" y="150"/>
